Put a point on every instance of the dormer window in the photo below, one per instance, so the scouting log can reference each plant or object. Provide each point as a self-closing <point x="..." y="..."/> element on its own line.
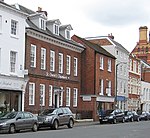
<point x="65" y="31"/>
<point x="56" y="29"/>
<point x="67" y="34"/>
<point x="43" y="24"/>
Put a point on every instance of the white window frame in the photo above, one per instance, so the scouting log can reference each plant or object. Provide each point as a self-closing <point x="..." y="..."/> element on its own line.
<point x="50" y="94"/>
<point x="14" y="27"/>
<point x="109" y="86"/>
<point x="101" y="87"/>
<point x="67" y="34"/>
<point x="42" y="24"/>
<point x="109" y="65"/>
<point x="60" y="63"/>
<point x="68" y="96"/>
<point x="134" y="66"/>
<point x="101" y="62"/>
<point x="61" y="97"/>
<point x="130" y="64"/>
<point x="13" y="61"/>
<point x="42" y="94"/>
<point x="43" y="58"/>
<point x="31" y="93"/>
<point x="56" y="29"/>
<point x="68" y="65"/>
<point x="33" y="56"/>
<point x="75" y="66"/>
<point x="75" y="97"/>
<point x="52" y="60"/>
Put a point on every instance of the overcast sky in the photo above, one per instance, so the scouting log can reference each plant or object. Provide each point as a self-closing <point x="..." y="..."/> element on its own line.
<point x="91" y="18"/>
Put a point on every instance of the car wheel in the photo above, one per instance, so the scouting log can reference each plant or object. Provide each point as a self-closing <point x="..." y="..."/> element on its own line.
<point x="123" y="120"/>
<point x="12" y="129"/>
<point x="132" y="120"/>
<point x="70" y="125"/>
<point x="100" y="121"/>
<point x="55" y="124"/>
<point x="114" y="121"/>
<point x="35" y="127"/>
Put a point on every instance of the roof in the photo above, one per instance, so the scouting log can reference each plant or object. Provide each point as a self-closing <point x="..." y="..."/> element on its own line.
<point x="13" y="7"/>
<point x="96" y="47"/>
<point x="22" y="8"/>
<point x="32" y="26"/>
<point x="112" y="41"/>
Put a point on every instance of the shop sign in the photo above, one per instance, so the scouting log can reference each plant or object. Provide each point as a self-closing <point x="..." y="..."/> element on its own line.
<point x="105" y="99"/>
<point x="59" y="76"/>
<point x="86" y="98"/>
<point x="10" y="84"/>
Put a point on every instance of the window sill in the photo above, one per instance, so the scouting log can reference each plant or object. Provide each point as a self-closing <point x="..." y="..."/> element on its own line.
<point x="14" y="36"/>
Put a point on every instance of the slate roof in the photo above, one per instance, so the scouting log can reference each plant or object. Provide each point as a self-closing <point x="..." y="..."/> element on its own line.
<point x="49" y="33"/>
<point x="96" y="47"/>
<point x="23" y="9"/>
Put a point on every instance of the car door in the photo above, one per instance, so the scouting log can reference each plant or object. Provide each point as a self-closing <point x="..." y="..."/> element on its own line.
<point x="29" y="120"/>
<point x="60" y="114"/>
<point x="20" y="121"/>
<point x="66" y="115"/>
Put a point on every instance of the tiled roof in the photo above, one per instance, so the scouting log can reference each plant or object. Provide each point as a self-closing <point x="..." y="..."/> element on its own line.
<point x="96" y="47"/>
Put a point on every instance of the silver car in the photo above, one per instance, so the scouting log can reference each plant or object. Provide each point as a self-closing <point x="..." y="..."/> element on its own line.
<point x="55" y="117"/>
<point x="15" y="121"/>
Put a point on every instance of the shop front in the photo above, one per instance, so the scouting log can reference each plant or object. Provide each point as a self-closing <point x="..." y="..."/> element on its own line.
<point x="12" y="91"/>
<point x="105" y="103"/>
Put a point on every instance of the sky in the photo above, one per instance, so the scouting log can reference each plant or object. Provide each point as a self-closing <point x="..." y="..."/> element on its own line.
<point x="90" y="18"/>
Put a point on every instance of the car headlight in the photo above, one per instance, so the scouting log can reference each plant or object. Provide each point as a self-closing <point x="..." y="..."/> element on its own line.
<point x="48" y="119"/>
<point x="2" y="124"/>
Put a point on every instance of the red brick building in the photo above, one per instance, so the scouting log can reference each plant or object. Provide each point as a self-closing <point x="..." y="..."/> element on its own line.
<point x="53" y="62"/>
<point x="97" y="77"/>
<point x="142" y="51"/>
<point x="134" y="85"/>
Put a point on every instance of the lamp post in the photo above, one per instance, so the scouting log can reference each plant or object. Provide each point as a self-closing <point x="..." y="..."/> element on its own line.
<point x="117" y="81"/>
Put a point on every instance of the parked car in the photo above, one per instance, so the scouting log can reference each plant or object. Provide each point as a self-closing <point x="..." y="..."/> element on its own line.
<point x="131" y="116"/>
<point x="145" y="116"/>
<point x="15" y="121"/>
<point x="56" y="117"/>
<point x="112" y="116"/>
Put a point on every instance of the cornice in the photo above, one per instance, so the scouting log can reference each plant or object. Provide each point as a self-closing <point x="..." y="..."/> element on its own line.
<point x="49" y="39"/>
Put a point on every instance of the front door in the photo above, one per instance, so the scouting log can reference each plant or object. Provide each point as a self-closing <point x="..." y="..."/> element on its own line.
<point x="56" y="100"/>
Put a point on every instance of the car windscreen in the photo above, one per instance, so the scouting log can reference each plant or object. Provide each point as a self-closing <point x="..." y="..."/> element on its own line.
<point x="48" y="112"/>
<point x="10" y="115"/>
<point x="108" y="112"/>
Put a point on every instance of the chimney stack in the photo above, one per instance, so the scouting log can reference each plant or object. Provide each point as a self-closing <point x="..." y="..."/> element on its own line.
<point x="143" y="35"/>
<point x="111" y="36"/>
<point x="40" y="11"/>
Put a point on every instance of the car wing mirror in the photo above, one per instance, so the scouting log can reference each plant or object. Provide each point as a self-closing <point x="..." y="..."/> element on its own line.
<point x="18" y="118"/>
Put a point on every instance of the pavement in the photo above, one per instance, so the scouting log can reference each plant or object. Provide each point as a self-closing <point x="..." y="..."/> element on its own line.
<point x="85" y="122"/>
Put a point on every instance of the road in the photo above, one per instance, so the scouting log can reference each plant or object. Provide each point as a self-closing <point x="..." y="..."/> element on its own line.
<point x="121" y="130"/>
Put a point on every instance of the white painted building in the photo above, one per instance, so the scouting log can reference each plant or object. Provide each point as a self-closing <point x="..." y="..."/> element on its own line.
<point x="145" y="96"/>
<point x="12" y="51"/>
<point x="122" y="72"/>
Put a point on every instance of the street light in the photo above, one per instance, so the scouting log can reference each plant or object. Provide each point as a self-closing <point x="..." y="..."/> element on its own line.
<point x="117" y="81"/>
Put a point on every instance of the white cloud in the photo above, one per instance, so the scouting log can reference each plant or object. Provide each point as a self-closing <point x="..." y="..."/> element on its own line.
<point x="89" y="18"/>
